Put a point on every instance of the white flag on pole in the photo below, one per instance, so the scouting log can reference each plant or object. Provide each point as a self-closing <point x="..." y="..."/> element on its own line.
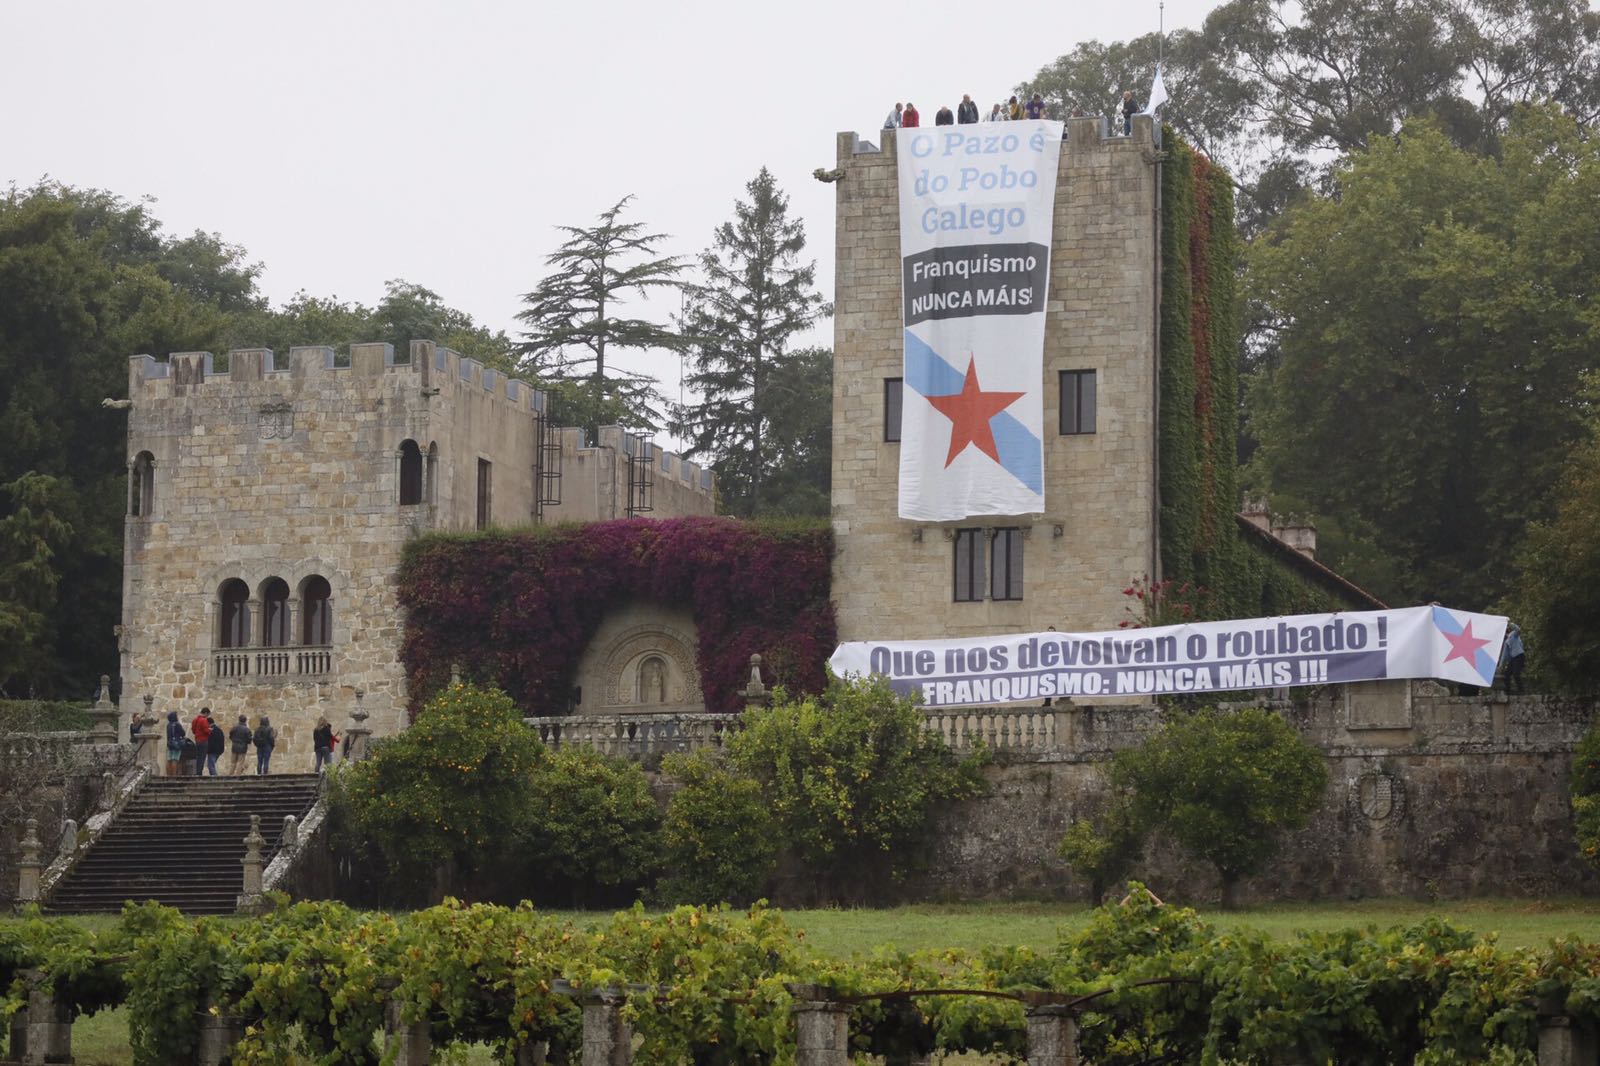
<point x="1158" y="94"/>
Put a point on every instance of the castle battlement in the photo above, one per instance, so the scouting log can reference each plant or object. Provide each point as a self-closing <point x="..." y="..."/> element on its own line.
<point x="429" y="364"/>
<point x="1085" y="137"/>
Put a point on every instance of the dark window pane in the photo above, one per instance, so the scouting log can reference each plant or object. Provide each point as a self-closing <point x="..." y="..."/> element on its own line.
<point x="1005" y="571"/>
<point x="234" y="615"/>
<point x="316" y="626"/>
<point x="1077" y="401"/>
<point x="893" y="391"/>
<point x="275" y="613"/>
<point x="410" y="473"/>
<point x="483" y="494"/>
<point x="969" y="565"/>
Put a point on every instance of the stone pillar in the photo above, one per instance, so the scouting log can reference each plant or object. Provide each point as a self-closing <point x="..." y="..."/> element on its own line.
<point x="104" y="713"/>
<point x="69" y="839"/>
<point x="356" y="733"/>
<point x="152" y="741"/>
<point x="1052" y="1036"/>
<point x="250" y="897"/>
<point x="822" y="1028"/>
<point x="755" y="693"/>
<point x="1563" y="1040"/>
<point x="28" y="866"/>
<point x="49" y="1034"/>
<point x="404" y="1043"/>
<point x="291" y="833"/>
<point x="108" y="791"/>
<point x="607" y="1038"/>
<point x="218" y="1033"/>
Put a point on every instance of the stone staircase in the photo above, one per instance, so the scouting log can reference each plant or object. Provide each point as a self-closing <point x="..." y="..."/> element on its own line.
<point x="179" y="842"/>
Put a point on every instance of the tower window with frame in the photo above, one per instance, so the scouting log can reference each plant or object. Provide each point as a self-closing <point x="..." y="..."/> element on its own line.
<point x="968" y="566"/>
<point x="1078" y="402"/>
<point x="1005" y="564"/>
<point x="233" y="615"/>
<point x="893" y="396"/>
<point x="485" y="487"/>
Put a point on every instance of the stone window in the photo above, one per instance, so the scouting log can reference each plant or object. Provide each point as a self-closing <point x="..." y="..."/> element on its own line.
<point x="274" y="613"/>
<point x="968" y="565"/>
<point x="410" y="473"/>
<point x="316" y="614"/>
<point x="485" y="485"/>
<point x="1077" y="402"/>
<point x="893" y="392"/>
<point x="1005" y="564"/>
<point x="142" y="486"/>
<point x="233" y="615"/>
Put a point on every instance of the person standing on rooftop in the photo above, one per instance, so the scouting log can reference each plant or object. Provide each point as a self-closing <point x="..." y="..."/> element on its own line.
<point x="1014" y="111"/>
<point x="995" y="115"/>
<point x="909" y="119"/>
<point x="968" y="111"/>
<point x="1035" y="107"/>
<point x="892" y="122"/>
<point x="944" y="117"/>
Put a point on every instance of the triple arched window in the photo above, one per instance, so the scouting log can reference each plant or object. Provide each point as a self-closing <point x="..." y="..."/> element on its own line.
<point x="276" y="616"/>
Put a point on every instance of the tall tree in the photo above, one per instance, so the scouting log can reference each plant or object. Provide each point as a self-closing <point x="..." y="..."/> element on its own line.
<point x="755" y="297"/>
<point x="1434" y="318"/>
<point x="575" y="321"/>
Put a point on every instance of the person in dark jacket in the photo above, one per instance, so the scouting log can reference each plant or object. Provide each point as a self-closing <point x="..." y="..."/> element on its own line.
<point x="944" y="117"/>
<point x="189" y="765"/>
<point x="322" y="744"/>
<point x="1130" y="107"/>
<point x="266" y="739"/>
<point x="239" y="745"/>
<point x="968" y="111"/>
<point x="215" y="743"/>
<point x="175" y="739"/>
<point x="200" y="729"/>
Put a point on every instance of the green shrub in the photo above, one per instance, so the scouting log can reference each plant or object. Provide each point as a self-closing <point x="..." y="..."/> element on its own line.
<point x="718" y="839"/>
<point x="1103" y="850"/>
<point x="441" y="802"/>
<point x="1224" y="785"/>
<point x="852" y="779"/>
<point x="1586" y="794"/>
<point x="591" y="830"/>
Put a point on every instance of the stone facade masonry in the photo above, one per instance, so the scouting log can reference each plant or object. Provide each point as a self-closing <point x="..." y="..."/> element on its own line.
<point x="893" y="579"/>
<point x="291" y="468"/>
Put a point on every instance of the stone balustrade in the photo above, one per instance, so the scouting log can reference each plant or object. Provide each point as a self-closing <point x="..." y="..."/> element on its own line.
<point x="54" y="748"/>
<point x="997" y="728"/>
<point x="635" y="735"/>
<point x="268" y="664"/>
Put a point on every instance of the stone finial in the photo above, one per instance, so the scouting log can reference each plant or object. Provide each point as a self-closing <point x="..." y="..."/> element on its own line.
<point x="104" y="713"/>
<point x="291" y="833"/>
<point x="455" y="674"/>
<point x="250" y="897"/>
<point x="357" y="734"/>
<point x="69" y="838"/>
<point x="28" y="864"/>
<point x="755" y="693"/>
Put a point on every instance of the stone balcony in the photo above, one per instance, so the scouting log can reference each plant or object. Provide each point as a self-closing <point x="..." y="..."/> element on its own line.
<point x="255" y="666"/>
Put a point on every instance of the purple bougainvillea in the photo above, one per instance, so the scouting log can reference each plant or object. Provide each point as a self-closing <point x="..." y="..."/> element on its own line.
<point x="518" y="608"/>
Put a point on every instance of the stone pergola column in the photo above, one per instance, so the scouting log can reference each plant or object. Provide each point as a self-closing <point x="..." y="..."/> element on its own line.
<point x="607" y="1037"/>
<point x="822" y="1027"/>
<point x="1052" y="1036"/>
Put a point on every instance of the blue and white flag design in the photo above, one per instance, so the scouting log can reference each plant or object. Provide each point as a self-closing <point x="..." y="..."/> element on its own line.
<point x="976" y="214"/>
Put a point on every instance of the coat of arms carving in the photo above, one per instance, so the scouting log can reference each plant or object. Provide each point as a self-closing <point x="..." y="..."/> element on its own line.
<point x="276" y="421"/>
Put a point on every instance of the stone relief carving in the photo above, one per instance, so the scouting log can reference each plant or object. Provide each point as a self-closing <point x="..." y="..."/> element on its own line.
<point x="276" y="421"/>
<point x="1378" y="797"/>
<point x="679" y="684"/>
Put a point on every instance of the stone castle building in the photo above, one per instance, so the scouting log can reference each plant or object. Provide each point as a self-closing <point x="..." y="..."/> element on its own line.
<point x="269" y="503"/>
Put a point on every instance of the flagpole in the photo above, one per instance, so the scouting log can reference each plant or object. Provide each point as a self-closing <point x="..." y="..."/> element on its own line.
<point x="1161" y="32"/>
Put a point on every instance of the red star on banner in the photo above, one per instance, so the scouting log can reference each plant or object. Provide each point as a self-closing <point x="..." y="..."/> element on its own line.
<point x="1464" y="645"/>
<point x="969" y="412"/>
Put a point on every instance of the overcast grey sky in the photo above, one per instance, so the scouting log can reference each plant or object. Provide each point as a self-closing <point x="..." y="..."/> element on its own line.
<point x="346" y="143"/>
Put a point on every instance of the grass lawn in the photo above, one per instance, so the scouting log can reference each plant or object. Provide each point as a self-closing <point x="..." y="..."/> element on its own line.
<point x="102" y="1040"/>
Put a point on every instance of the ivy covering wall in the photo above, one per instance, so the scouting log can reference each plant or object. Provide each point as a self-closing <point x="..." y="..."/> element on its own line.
<point x="1200" y="536"/>
<point x="519" y="607"/>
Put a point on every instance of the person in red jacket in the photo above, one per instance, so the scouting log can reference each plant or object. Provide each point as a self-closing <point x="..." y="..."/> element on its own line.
<point x="201" y="728"/>
<point x="909" y="119"/>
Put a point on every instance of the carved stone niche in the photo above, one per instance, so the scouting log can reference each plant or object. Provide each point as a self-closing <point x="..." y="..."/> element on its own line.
<point x="641" y="660"/>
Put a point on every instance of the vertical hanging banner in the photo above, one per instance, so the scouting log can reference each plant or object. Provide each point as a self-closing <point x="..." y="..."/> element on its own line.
<point x="976" y="211"/>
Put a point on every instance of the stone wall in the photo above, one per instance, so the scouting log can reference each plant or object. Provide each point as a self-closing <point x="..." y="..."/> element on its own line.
<point x="291" y="468"/>
<point x="893" y="577"/>
<point x="1445" y="797"/>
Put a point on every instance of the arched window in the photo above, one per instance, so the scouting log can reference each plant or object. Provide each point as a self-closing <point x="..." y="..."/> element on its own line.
<point x="234" y="616"/>
<point x="141" y="503"/>
<point x="274" y="613"/>
<point x="410" y="473"/>
<point x="316" y="614"/>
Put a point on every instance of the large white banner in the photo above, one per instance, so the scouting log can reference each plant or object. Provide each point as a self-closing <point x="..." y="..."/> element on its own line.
<point x="976" y="207"/>
<point x="1253" y="653"/>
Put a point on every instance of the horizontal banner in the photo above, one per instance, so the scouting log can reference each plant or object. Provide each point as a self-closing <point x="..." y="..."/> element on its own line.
<point x="1253" y="653"/>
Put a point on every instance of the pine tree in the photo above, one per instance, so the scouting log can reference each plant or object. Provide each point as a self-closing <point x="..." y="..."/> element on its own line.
<point x="754" y="298"/>
<point x="574" y="322"/>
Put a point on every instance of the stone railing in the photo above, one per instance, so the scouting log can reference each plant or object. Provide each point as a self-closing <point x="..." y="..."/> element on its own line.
<point x="635" y="735"/>
<point x="997" y="728"/>
<point x="57" y="749"/>
<point x="271" y="664"/>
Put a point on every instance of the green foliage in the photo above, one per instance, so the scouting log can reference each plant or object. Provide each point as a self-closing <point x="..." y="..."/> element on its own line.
<point x="575" y="319"/>
<point x="1434" y="332"/>
<point x="447" y="794"/>
<point x="590" y="828"/>
<point x="719" y="842"/>
<point x="852" y="778"/>
<point x="1586" y="794"/>
<point x="1225" y="785"/>
<point x="756" y="295"/>
<point x="1103" y="850"/>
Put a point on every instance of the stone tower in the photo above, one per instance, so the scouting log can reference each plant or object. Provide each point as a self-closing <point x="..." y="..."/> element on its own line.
<point x="269" y="503"/>
<point x="896" y="579"/>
